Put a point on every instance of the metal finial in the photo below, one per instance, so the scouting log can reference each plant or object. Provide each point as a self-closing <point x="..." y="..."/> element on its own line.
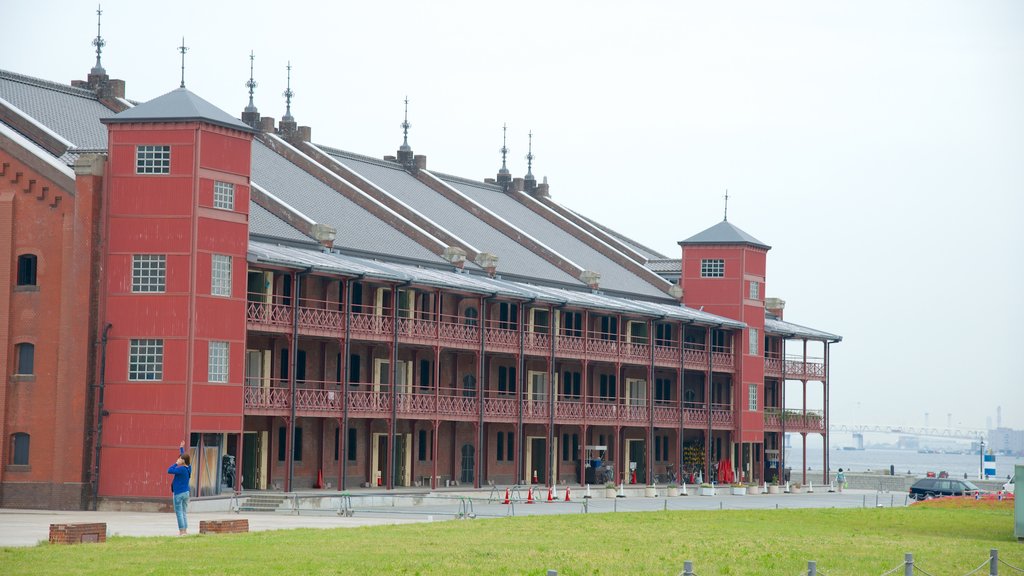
<point x="406" y="126"/>
<point x="98" y="42"/>
<point x="182" y="49"/>
<point x="288" y="96"/>
<point x="725" y="218"/>
<point x="251" y="84"/>
<point x="504" y="148"/>
<point x="529" y="159"/>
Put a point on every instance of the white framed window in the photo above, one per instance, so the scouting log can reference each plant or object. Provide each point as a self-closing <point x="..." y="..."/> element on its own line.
<point x="152" y="159"/>
<point x="145" y="359"/>
<point x="224" y="195"/>
<point x="712" y="268"/>
<point x="149" y="273"/>
<point x="752" y="397"/>
<point x="220" y="275"/>
<point x="753" y="341"/>
<point x="755" y="290"/>
<point x="218" y="362"/>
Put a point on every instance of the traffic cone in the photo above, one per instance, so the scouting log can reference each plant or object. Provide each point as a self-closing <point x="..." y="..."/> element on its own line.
<point x="319" y="479"/>
<point x="551" y="493"/>
<point x="587" y="495"/>
<point x="683" y="491"/>
<point x="534" y="477"/>
<point x="506" y="497"/>
<point x="529" y="495"/>
<point x="810" y="487"/>
<point x="622" y="491"/>
<point x="567" y="498"/>
<point x="832" y="486"/>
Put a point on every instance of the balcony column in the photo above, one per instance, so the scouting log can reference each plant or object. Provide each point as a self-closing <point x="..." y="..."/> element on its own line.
<point x="803" y="476"/>
<point x="520" y="395"/>
<point x="346" y="358"/>
<point x="392" y="466"/>
<point x="707" y="403"/>
<point x="480" y="365"/>
<point x="825" y="418"/>
<point x="681" y="389"/>
<point x="435" y="427"/>
<point x="617" y="453"/>
<point x="650" y="404"/>
<point x="293" y="357"/>
<point x="552" y="392"/>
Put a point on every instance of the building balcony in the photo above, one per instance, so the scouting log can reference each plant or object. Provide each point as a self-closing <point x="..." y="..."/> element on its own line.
<point x="367" y="400"/>
<point x="797" y="421"/>
<point x="321" y="319"/>
<point x="795" y="368"/>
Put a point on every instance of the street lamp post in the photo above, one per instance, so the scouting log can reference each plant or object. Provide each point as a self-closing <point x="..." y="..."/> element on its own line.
<point x="981" y="459"/>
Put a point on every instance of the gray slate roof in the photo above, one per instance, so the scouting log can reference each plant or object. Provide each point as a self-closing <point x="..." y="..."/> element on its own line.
<point x="775" y="326"/>
<point x="263" y="223"/>
<point x="70" y="112"/>
<point x="724" y="233"/>
<point x="514" y="258"/>
<point x="637" y="247"/>
<point x="356" y="228"/>
<point x="179" y="105"/>
<point x="613" y="276"/>
<point x="665" y="265"/>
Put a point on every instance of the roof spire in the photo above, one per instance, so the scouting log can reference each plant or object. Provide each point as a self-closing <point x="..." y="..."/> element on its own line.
<point x="405" y="127"/>
<point x="251" y="84"/>
<point x="725" y="218"/>
<point x="98" y="42"/>
<point x="182" y="49"/>
<point x="288" y="97"/>
<point x="529" y="159"/>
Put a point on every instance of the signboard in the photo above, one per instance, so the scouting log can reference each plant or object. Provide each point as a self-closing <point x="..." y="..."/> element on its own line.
<point x="1018" y="506"/>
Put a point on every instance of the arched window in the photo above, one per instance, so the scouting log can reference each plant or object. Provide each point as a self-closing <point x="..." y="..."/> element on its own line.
<point x="27" y="270"/>
<point x="469" y="385"/>
<point x="471" y="315"/>
<point x="19" y="449"/>
<point x="26" y="354"/>
<point x="468" y="463"/>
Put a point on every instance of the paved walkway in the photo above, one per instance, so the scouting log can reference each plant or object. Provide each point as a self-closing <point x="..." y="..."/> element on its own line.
<point x="29" y="527"/>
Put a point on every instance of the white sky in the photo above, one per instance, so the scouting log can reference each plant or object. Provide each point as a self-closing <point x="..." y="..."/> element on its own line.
<point x="877" y="146"/>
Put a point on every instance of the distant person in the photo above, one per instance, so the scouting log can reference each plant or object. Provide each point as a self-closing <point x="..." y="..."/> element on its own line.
<point x="840" y="479"/>
<point x="182" y="471"/>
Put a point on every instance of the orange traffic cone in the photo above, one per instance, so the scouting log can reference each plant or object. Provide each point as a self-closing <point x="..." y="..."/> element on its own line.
<point x="534" y="477"/>
<point x="506" y="496"/>
<point x="319" y="479"/>
<point x="567" y="497"/>
<point x="529" y="495"/>
<point x="551" y="494"/>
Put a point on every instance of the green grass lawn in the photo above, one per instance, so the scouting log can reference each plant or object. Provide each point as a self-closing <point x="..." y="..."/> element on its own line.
<point x="843" y="542"/>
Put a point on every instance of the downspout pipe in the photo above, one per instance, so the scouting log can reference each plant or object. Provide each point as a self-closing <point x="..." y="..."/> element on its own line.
<point x="297" y="284"/>
<point x="100" y="414"/>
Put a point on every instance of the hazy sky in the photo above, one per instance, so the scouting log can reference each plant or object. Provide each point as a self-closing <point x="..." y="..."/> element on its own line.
<point x="877" y="146"/>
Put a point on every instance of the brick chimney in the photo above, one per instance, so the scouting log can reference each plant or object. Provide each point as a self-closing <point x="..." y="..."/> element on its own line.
<point x="455" y="255"/>
<point x="591" y="278"/>
<point x="267" y="124"/>
<point x="775" y="306"/>
<point x="325" y="235"/>
<point x="487" y="261"/>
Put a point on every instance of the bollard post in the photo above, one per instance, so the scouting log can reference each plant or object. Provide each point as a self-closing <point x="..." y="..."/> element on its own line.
<point x="993" y="562"/>
<point x="666" y="505"/>
<point x="812" y="568"/>
<point x="908" y="564"/>
<point x="688" y="568"/>
<point x="552" y="572"/>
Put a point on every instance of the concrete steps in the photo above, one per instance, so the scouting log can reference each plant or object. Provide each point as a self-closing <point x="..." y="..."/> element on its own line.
<point x="261" y="503"/>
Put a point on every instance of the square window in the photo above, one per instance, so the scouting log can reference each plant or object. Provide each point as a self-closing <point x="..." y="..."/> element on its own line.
<point x="755" y="290"/>
<point x="218" y="362"/>
<point x="149" y="272"/>
<point x="146" y="359"/>
<point x="712" y="268"/>
<point x="224" y="195"/>
<point x="152" y="159"/>
<point x="220" y="276"/>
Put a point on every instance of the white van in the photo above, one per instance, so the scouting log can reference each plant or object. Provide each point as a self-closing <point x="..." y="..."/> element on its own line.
<point x="1008" y="487"/>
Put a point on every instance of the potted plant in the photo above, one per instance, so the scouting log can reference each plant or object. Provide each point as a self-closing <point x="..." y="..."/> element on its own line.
<point x="609" y="490"/>
<point x="753" y="488"/>
<point x="673" y="489"/>
<point x="650" y="491"/>
<point x="707" y="489"/>
<point x="775" y="487"/>
<point x="739" y="489"/>
<point x="796" y="488"/>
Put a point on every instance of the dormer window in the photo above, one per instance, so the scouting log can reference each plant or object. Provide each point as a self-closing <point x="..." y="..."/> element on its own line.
<point x="152" y="159"/>
<point x="712" y="268"/>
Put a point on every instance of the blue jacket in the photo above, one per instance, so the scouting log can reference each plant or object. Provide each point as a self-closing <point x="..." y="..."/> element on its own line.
<point x="181" y="476"/>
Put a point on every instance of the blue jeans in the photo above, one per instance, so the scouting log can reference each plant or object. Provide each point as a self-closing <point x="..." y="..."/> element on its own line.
<point x="180" y="509"/>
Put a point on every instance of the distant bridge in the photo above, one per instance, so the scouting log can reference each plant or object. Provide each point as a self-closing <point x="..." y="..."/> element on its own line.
<point x="960" y="434"/>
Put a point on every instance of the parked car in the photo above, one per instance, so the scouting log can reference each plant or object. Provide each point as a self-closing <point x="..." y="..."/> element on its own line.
<point x="1008" y="487"/>
<point x="932" y="487"/>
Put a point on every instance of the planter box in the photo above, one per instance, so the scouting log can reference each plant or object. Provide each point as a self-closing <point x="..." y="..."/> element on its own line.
<point x="650" y="492"/>
<point x="739" y="490"/>
<point x="796" y="489"/>
<point x="609" y="492"/>
<point x="754" y="489"/>
<point x="774" y="489"/>
<point x="707" y="490"/>
<point x="673" y="491"/>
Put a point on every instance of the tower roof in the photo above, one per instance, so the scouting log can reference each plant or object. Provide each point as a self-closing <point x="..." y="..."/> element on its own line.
<point x="178" y="105"/>
<point x="724" y="233"/>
